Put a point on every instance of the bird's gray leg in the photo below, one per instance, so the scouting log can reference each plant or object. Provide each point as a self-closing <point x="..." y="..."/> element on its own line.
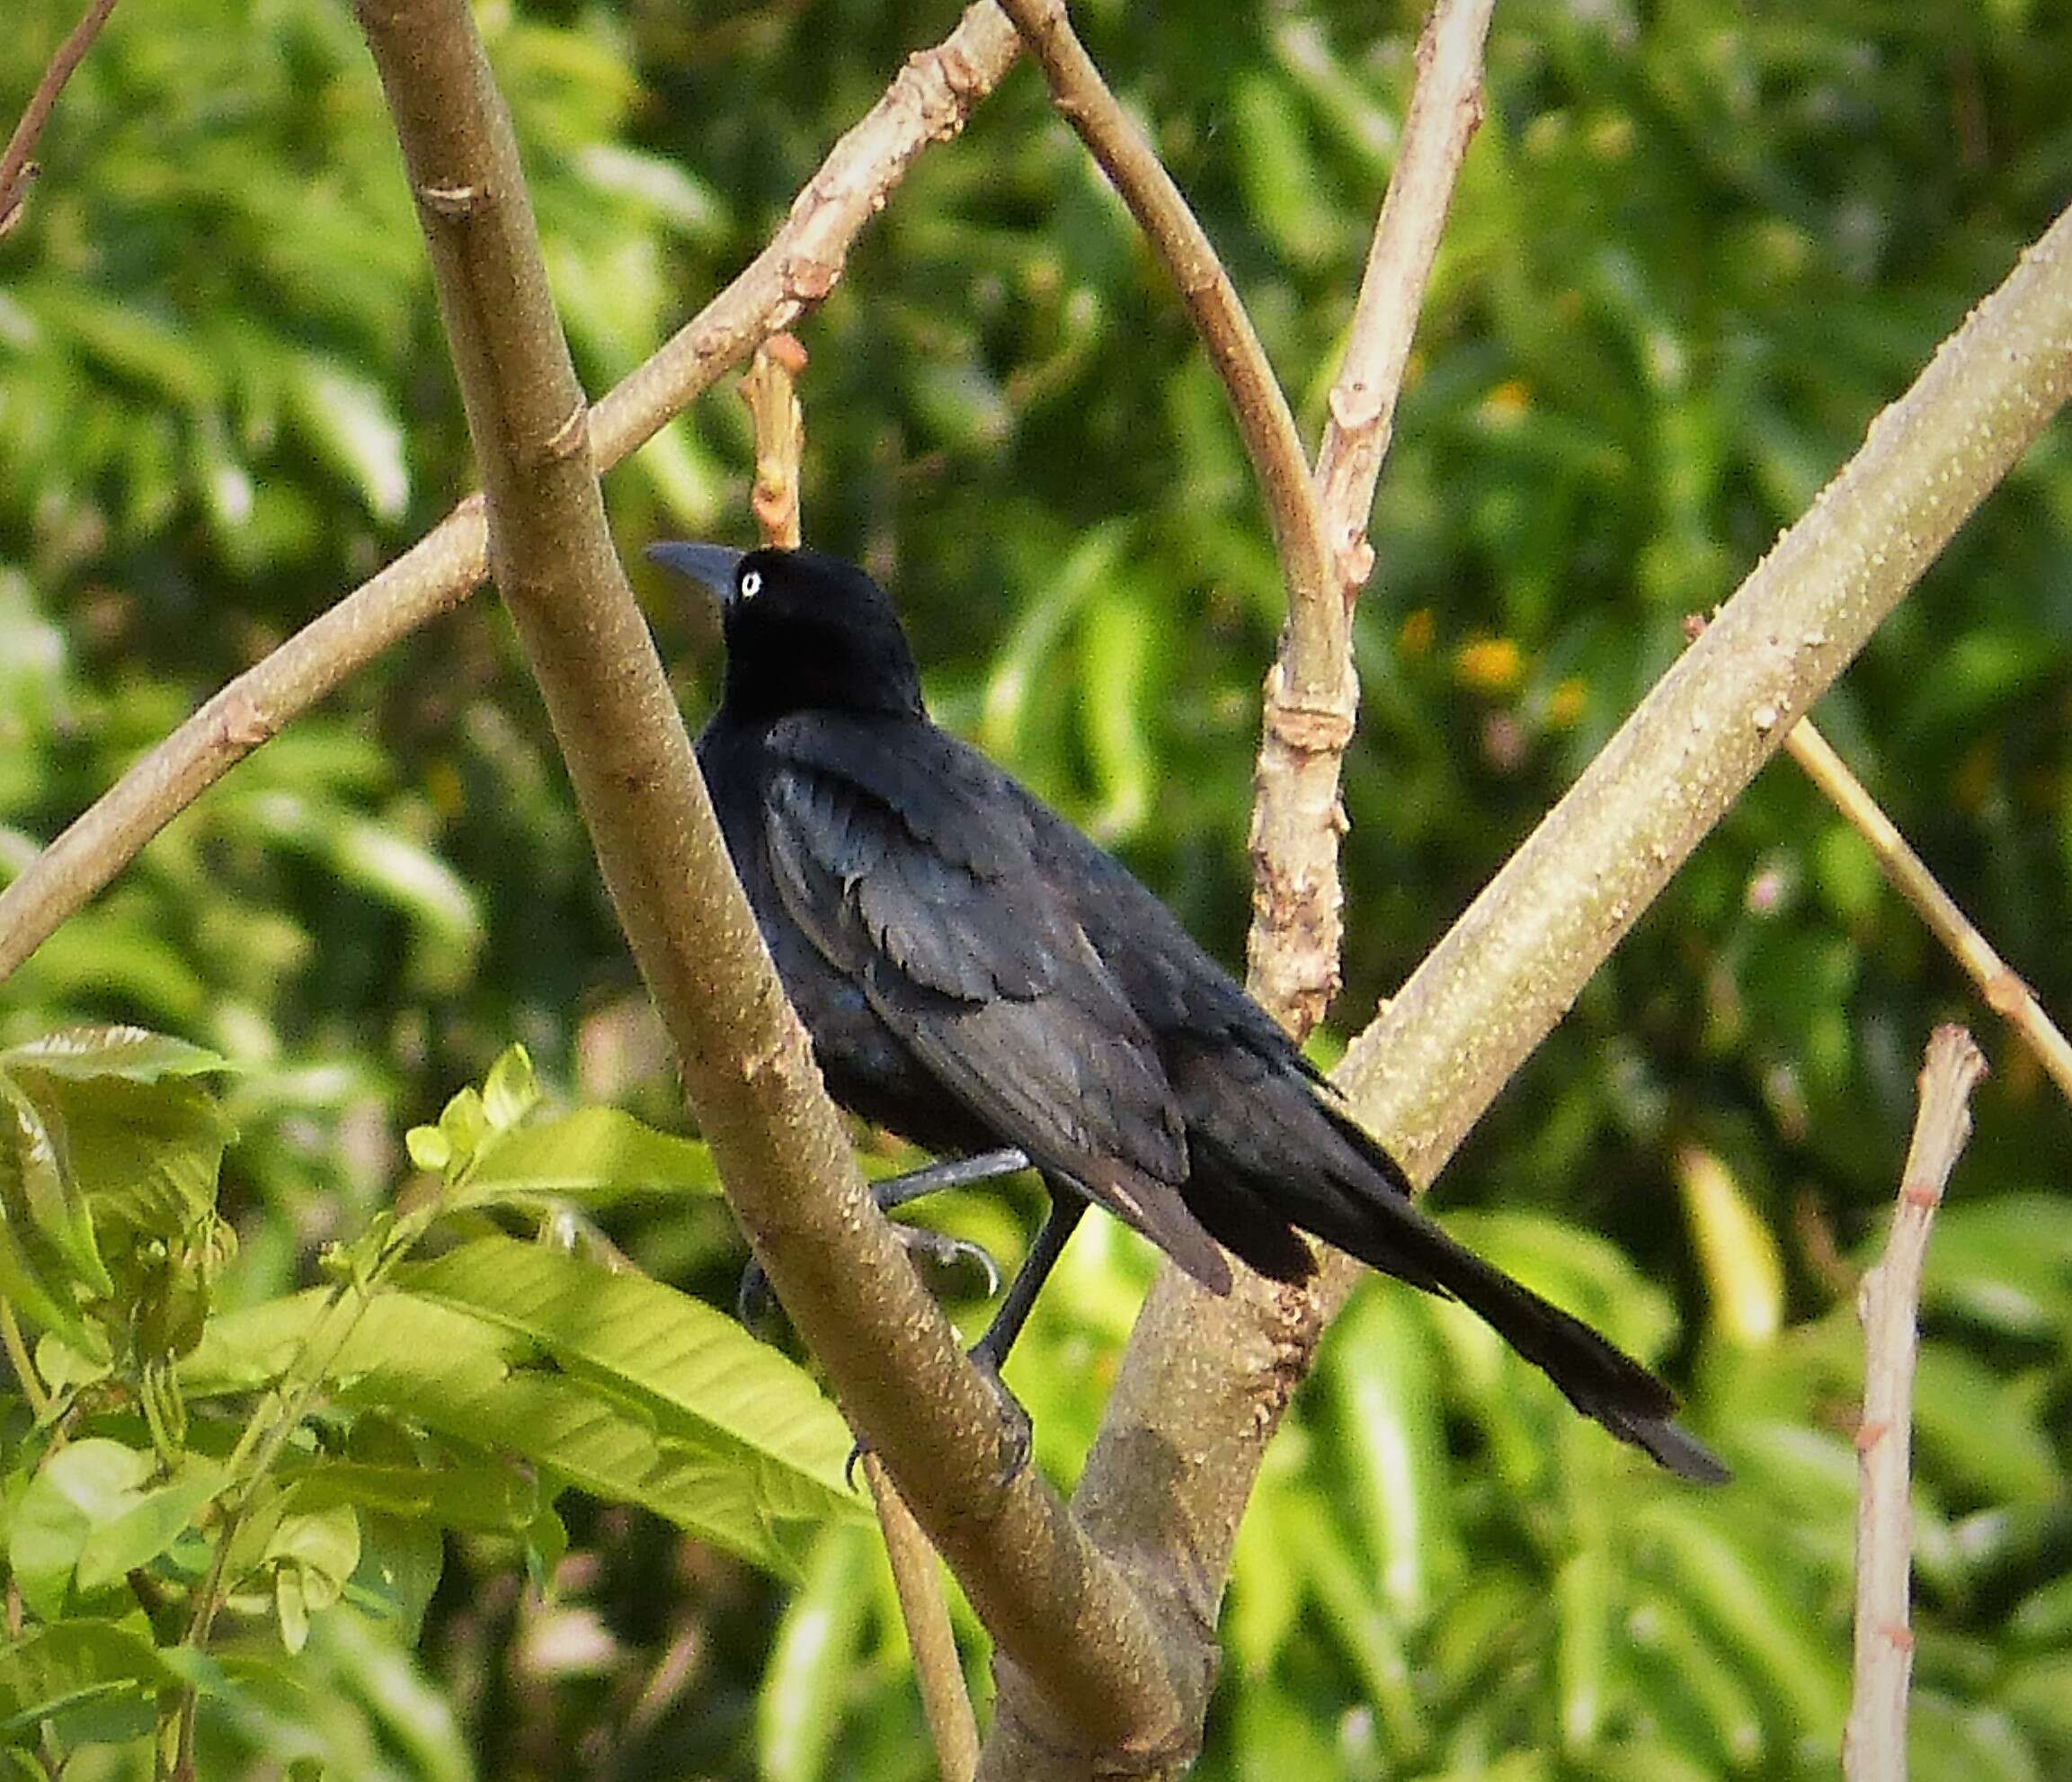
<point x="991" y="1350"/>
<point x="958" y="1172"/>
<point x="752" y="1299"/>
<point x="989" y="1354"/>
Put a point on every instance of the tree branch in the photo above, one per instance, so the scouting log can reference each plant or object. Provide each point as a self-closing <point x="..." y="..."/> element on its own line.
<point x="1068" y="1615"/>
<point x="1205" y="1379"/>
<point x="1874" y="1743"/>
<point x="1263" y="418"/>
<point x="929" y="102"/>
<point x="945" y="1702"/>
<point x="2004" y="991"/>
<point x="767" y="387"/>
<point x="16" y="169"/>
<point x="1296" y="940"/>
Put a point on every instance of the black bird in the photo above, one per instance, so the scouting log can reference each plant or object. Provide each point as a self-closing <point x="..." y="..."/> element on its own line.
<point x="980" y="978"/>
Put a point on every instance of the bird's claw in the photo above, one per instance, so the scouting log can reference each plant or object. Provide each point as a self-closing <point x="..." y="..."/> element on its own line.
<point x="1017" y="1432"/>
<point x="752" y="1299"/>
<point x="946" y="1252"/>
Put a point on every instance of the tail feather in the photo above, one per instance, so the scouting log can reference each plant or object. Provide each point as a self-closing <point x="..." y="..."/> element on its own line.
<point x="1280" y="1165"/>
<point x="1597" y="1378"/>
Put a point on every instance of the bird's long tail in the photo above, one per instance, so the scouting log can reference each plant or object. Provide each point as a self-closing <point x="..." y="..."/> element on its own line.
<point x="1598" y="1379"/>
<point x="1367" y="1211"/>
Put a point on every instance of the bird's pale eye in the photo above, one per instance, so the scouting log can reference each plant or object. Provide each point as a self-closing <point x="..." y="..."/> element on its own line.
<point x="752" y="585"/>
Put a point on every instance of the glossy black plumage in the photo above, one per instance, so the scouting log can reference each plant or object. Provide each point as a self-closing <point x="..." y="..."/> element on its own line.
<point x="975" y="974"/>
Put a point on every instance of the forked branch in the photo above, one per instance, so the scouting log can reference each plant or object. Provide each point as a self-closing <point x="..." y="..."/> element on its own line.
<point x="1874" y="1743"/>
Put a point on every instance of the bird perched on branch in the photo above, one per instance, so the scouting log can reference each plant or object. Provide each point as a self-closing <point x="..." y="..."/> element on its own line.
<point x="980" y="978"/>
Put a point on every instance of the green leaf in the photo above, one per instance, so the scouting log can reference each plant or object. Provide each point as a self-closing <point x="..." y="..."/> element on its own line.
<point x="145" y="1155"/>
<point x="512" y="1089"/>
<point x="1390" y="1436"/>
<point x="348" y="418"/>
<point x="1744" y="1274"/>
<point x="498" y="1498"/>
<point x="1584" y="1607"/>
<point x="133" y="1052"/>
<point x="812" y="1669"/>
<point x="641" y="1405"/>
<point x="313" y="1553"/>
<point x="148" y="1525"/>
<point x="596" y="1155"/>
<point x="83" y="1487"/>
<point x="1364" y="1628"/>
<point x="1748" y="1605"/>
<point x="40" y="1192"/>
<point x="2006" y="1262"/>
<point x="401" y="1561"/>
<point x="73" y="1664"/>
<point x="1982" y="1430"/>
<point x="692" y="1365"/>
<point x="1693" y="1686"/>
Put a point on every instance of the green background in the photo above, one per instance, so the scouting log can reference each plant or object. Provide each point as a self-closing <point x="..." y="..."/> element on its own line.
<point x="1696" y="246"/>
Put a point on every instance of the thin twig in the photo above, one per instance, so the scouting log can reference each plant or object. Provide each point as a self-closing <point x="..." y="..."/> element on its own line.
<point x="1069" y="1616"/>
<point x="1296" y="941"/>
<point x="2006" y="993"/>
<point x="1874" y="1743"/>
<point x="16" y="169"/>
<point x="929" y="102"/>
<point x="1263" y="417"/>
<point x="767" y="387"/>
<point x="945" y="1701"/>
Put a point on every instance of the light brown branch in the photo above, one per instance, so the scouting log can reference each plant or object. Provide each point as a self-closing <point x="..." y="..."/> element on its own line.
<point x="16" y="169"/>
<point x="929" y="102"/>
<point x="1510" y="967"/>
<point x="1067" y="1615"/>
<point x="1263" y="421"/>
<point x="945" y="1703"/>
<point x="1874" y="1743"/>
<point x="766" y="387"/>
<point x="1204" y="1380"/>
<point x="2004" y="991"/>
<point x="1296" y="939"/>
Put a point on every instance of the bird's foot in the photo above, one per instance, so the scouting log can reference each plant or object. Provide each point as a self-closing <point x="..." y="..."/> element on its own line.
<point x="753" y="1299"/>
<point x="1017" y="1432"/>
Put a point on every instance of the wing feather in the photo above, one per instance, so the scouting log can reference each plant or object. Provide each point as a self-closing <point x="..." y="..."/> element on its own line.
<point x="907" y="876"/>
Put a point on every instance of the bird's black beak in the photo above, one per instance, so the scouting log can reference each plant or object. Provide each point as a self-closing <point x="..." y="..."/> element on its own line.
<point x="713" y="566"/>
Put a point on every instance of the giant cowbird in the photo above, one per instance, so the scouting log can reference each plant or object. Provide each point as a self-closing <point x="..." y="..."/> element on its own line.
<point x="981" y="979"/>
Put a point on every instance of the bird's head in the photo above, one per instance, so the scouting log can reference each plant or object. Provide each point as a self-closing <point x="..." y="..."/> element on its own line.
<point x="803" y="632"/>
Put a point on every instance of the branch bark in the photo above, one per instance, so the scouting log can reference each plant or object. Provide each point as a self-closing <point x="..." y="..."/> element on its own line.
<point x="1069" y="1617"/>
<point x="1264" y="420"/>
<point x="929" y="102"/>
<point x="16" y="169"/>
<point x="2006" y="992"/>
<point x="1205" y="1379"/>
<point x="1294" y="949"/>
<point x="1874" y="1743"/>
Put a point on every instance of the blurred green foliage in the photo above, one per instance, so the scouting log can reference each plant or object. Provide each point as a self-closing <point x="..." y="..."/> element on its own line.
<point x="1696" y="246"/>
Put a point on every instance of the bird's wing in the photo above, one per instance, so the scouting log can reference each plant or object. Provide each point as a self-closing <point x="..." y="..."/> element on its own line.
<point x="906" y="861"/>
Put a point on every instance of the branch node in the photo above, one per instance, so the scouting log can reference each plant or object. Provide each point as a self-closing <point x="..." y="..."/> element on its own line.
<point x="572" y="437"/>
<point x="241" y="723"/>
<point x="806" y="280"/>
<point x="451" y="202"/>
